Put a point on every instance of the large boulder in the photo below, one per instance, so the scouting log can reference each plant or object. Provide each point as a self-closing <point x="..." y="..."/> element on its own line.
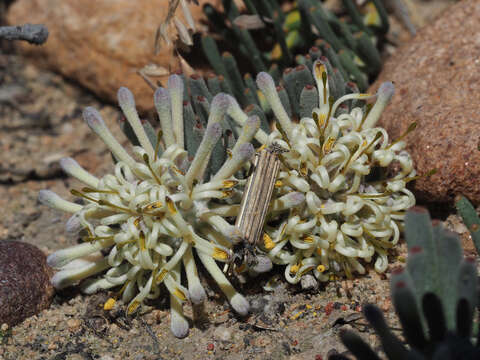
<point x="437" y="80"/>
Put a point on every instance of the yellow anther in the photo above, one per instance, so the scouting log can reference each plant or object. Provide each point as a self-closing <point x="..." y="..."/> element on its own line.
<point x="180" y="294"/>
<point x="141" y="239"/>
<point x="321" y="120"/>
<point x="327" y="147"/>
<point x="229" y="183"/>
<point x="363" y="96"/>
<point x="109" y="304"/>
<point x="229" y="153"/>
<point x="303" y="169"/>
<point x="294" y="269"/>
<point x="132" y="307"/>
<point x="308" y="239"/>
<point x="321" y="268"/>
<point x="309" y="307"/>
<point x="219" y="254"/>
<point x="319" y="70"/>
<point x="226" y="194"/>
<point x="153" y="206"/>
<point x="171" y="205"/>
<point x="136" y="222"/>
<point x="319" y="251"/>
<point x="162" y="275"/>
<point x="268" y="242"/>
<point x="278" y="183"/>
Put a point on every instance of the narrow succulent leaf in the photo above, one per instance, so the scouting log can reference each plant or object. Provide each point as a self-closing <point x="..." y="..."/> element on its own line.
<point x="198" y="87"/>
<point x="308" y="100"/>
<point x="470" y="219"/>
<point x="408" y="313"/>
<point x="368" y="53"/>
<point x="359" y="348"/>
<point x="434" y="316"/>
<point x="467" y="283"/>
<point x="213" y="84"/>
<point x="392" y="346"/>
<point x="234" y="73"/>
<point x="449" y="256"/>
<point x="351" y="68"/>
<point x="285" y="100"/>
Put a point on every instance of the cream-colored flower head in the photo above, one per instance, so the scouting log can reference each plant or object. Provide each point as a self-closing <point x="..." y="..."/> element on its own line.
<point x="155" y="210"/>
<point x="344" y="180"/>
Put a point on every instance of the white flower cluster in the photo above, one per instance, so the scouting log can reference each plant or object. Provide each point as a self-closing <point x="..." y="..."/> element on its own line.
<point x="352" y="183"/>
<point x="154" y="210"/>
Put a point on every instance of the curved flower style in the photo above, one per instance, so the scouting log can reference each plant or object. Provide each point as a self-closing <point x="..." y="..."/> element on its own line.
<point x="154" y="210"/>
<point x="347" y="180"/>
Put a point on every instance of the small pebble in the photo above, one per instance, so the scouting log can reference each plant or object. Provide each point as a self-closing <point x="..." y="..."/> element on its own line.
<point x="74" y="324"/>
<point x="222" y="333"/>
<point x="4" y="327"/>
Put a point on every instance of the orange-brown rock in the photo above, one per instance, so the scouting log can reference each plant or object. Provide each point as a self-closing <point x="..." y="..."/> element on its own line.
<point x="101" y="44"/>
<point x="437" y="80"/>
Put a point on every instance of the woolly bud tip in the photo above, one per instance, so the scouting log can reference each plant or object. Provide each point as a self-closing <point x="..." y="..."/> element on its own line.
<point x="125" y="98"/>
<point x="197" y="293"/>
<point x="245" y="151"/>
<point x="262" y="264"/>
<point x="93" y="118"/>
<point x="240" y="304"/>
<point x="161" y="96"/>
<point x="49" y="198"/>
<point x="386" y="91"/>
<point x="220" y="102"/>
<point x="68" y="164"/>
<point x="178" y="325"/>
<point x="175" y="82"/>
<point x="265" y="82"/>
<point x="73" y="225"/>
<point x="295" y="198"/>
